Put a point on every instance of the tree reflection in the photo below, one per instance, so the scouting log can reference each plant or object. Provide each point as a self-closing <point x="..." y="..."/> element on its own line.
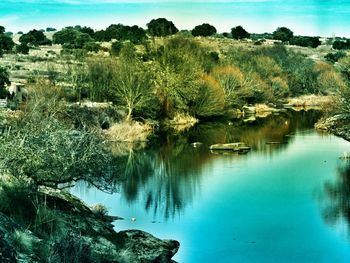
<point x="167" y="176"/>
<point x="337" y="197"/>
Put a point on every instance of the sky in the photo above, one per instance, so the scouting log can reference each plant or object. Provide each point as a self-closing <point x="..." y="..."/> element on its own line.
<point x="308" y="17"/>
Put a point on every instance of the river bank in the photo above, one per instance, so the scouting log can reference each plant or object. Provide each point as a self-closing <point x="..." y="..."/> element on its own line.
<point x="79" y="234"/>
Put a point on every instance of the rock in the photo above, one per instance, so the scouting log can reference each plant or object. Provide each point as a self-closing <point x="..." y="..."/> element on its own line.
<point x="237" y="146"/>
<point x="249" y="110"/>
<point x="137" y="246"/>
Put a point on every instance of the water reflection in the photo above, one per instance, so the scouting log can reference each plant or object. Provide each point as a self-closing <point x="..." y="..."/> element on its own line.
<point x="336" y="197"/>
<point x="167" y="176"/>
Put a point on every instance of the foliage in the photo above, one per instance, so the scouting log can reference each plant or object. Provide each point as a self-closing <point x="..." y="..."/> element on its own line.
<point x="239" y="32"/>
<point x="334" y="57"/>
<point x="341" y="44"/>
<point x="204" y="30"/>
<point x="161" y="27"/>
<point x="305" y="41"/>
<point x="73" y="39"/>
<point x="132" y="83"/>
<point x="121" y="32"/>
<point x="35" y="38"/>
<point x="282" y="33"/>
<point x="4" y="81"/>
<point x="47" y="151"/>
<point x="116" y="48"/>
<point x="6" y="42"/>
<point x="51" y="29"/>
<point x="22" y="48"/>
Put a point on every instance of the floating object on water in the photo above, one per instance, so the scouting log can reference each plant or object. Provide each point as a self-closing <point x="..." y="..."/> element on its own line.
<point x="133" y="219"/>
<point x="196" y="144"/>
<point x="236" y="147"/>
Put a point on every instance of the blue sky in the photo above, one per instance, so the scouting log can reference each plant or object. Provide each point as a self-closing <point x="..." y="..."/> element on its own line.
<point x="308" y="17"/>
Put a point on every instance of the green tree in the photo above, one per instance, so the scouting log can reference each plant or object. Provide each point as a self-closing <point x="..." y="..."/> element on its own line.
<point x="6" y="44"/>
<point x="204" y="30"/>
<point x="161" y="27"/>
<point x="239" y="32"/>
<point x="4" y="81"/>
<point x="35" y="38"/>
<point x="22" y="48"/>
<point x="283" y="33"/>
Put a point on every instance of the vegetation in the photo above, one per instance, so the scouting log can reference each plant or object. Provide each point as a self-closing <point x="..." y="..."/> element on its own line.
<point x="204" y="30"/>
<point x="6" y="42"/>
<point x="4" y="81"/>
<point x="304" y="41"/>
<point x="283" y="33"/>
<point x="161" y="27"/>
<point x="239" y="32"/>
<point x="34" y="38"/>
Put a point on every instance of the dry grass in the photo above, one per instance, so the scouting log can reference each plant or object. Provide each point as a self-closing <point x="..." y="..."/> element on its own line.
<point x="129" y="131"/>
<point x="309" y="101"/>
<point x="181" y="122"/>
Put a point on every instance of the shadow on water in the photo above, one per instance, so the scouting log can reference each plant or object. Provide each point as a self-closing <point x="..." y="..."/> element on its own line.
<point x="167" y="175"/>
<point x="336" y="198"/>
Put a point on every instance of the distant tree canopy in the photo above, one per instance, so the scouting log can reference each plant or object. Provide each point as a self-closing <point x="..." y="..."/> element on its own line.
<point x="305" y="41"/>
<point x="283" y="33"/>
<point x="341" y="44"/>
<point x="204" y="30"/>
<point x="161" y="27"/>
<point x="50" y="29"/>
<point x="22" y="48"/>
<point x="71" y="38"/>
<point x="6" y="42"/>
<point x="35" y="38"/>
<point x="4" y="81"/>
<point x="120" y="32"/>
<point x="239" y="32"/>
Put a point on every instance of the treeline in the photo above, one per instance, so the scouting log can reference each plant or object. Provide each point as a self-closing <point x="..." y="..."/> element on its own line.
<point x="79" y="37"/>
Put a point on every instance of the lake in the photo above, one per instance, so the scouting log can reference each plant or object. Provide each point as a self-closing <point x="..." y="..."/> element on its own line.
<point x="286" y="202"/>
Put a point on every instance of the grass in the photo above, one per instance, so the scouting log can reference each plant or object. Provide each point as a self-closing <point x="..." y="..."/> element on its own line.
<point x="129" y="131"/>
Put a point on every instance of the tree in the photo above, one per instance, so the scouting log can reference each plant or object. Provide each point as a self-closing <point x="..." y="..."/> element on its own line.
<point x="49" y="151"/>
<point x="204" y="30"/>
<point x="50" y="29"/>
<point x="239" y="32"/>
<point x="132" y="83"/>
<point x="6" y="44"/>
<point x="35" y="38"/>
<point x="22" y="48"/>
<point x="282" y="33"/>
<point x="2" y="30"/>
<point x="305" y="41"/>
<point x="4" y="81"/>
<point x="161" y="27"/>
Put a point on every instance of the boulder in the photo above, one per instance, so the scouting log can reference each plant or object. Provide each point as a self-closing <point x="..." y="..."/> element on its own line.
<point x="237" y="146"/>
<point x="140" y="247"/>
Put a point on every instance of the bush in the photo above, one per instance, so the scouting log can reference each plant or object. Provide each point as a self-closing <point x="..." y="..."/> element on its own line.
<point x="35" y="38"/>
<point x="161" y="27"/>
<point x="204" y="30"/>
<point x="22" y="48"/>
<point x="334" y="57"/>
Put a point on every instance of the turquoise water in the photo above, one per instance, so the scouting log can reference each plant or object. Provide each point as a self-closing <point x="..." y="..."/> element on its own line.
<point x="308" y="17"/>
<point x="278" y="203"/>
